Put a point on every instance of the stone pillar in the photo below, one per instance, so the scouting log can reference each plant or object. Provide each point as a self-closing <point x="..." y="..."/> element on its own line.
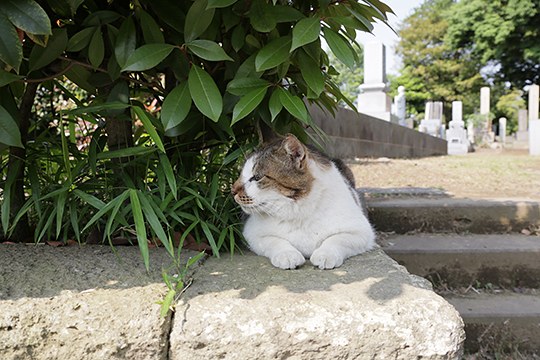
<point x="502" y="130"/>
<point x="373" y="99"/>
<point x="487" y="135"/>
<point x="522" y="134"/>
<point x="534" y="122"/>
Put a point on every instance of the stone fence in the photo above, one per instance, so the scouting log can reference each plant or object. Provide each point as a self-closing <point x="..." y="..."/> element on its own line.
<point x="353" y="135"/>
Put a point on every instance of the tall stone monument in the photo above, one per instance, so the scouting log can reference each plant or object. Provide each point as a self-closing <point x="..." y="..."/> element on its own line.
<point x="485" y="130"/>
<point x="374" y="99"/>
<point x="399" y="108"/>
<point x="456" y="135"/>
<point x="432" y="123"/>
<point x="534" y="121"/>
<point x="502" y="130"/>
<point x="522" y="134"/>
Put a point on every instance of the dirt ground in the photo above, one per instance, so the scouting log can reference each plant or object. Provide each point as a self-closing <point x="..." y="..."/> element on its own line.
<point x="501" y="173"/>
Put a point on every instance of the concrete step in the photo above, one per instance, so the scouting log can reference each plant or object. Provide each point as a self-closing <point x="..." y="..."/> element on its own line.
<point x="508" y="260"/>
<point x="405" y="215"/>
<point x="507" y="322"/>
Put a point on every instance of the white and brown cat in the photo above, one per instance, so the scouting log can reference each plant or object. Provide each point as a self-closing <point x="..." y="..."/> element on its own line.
<point x="301" y="204"/>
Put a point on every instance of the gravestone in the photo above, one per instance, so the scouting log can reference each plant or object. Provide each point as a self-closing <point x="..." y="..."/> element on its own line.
<point x="522" y="135"/>
<point x="432" y="123"/>
<point x="502" y="130"/>
<point x="374" y="99"/>
<point x="456" y="135"/>
<point x="400" y="106"/>
<point x="534" y="121"/>
<point x="485" y="131"/>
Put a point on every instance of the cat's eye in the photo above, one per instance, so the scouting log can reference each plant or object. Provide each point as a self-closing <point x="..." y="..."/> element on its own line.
<point x="256" y="178"/>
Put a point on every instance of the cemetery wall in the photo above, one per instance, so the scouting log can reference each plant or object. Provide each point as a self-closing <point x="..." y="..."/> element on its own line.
<point x="354" y="134"/>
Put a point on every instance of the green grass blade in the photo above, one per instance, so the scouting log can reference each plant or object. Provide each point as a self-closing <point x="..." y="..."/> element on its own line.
<point x="154" y="222"/>
<point x="140" y="227"/>
<point x="210" y="238"/>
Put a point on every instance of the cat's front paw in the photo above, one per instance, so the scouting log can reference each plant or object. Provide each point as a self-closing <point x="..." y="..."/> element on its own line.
<point x="326" y="259"/>
<point x="288" y="259"/>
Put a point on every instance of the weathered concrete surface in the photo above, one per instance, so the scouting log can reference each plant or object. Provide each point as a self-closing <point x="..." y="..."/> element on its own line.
<point x="508" y="260"/>
<point x="80" y="303"/>
<point x="506" y="318"/>
<point x="453" y="215"/>
<point x="370" y="308"/>
<point x="352" y="134"/>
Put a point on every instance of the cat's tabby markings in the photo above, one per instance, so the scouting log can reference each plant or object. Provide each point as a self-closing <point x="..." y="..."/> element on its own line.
<point x="301" y="204"/>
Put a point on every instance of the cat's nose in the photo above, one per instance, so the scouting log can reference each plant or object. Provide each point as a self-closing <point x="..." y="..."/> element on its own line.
<point x="236" y="187"/>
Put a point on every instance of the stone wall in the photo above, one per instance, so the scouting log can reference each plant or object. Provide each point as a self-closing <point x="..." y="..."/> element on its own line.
<point x="352" y="134"/>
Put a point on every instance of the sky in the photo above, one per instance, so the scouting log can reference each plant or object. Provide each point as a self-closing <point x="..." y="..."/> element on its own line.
<point x="381" y="32"/>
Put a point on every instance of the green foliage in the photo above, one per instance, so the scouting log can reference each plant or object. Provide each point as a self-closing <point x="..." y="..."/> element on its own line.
<point x="508" y="106"/>
<point x="433" y="70"/>
<point x="501" y="34"/>
<point x="145" y="107"/>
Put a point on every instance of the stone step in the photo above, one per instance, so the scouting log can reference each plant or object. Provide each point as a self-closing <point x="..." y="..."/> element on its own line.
<point x="508" y="260"/>
<point x="507" y="322"/>
<point x="452" y="215"/>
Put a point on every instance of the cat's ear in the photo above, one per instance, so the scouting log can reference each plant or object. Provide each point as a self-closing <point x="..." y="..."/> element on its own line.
<point x="296" y="150"/>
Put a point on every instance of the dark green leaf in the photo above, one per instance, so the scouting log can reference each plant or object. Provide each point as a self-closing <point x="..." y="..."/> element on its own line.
<point x="198" y="19"/>
<point x="125" y="42"/>
<point x="10" y="45"/>
<point x="248" y="103"/>
<point x="131" y="151"/>
<point x="27" y="15"/>
<point x="294" y="105"/>
<point x="220" y="3"/>
<point x="100" y="17"/>
<point x="208" y="50"/>
<point x="99" y="108"/>
<point x="80" y="75"/>
<point x="340" y="47"/>
<point x="9" y="130"/>
<point x="210" y="238"/>
<point x="176" y="106"/>
<point x="81" y="39"/>
<point x="96" y="49"/>
<point x="242" y="86"/>
<point x="238" y="38"/>
<point x="285" y="13"/>
<point x="149" y="127"/>
<point x="305" y="31"/>
<point x="147" y="56"/>
<point x="140" y="227"/>
<point x="260" y="17"/>
<point x="274" y="104"/>
<point x="311" y="72"/>
<point x="205" y="93"/>
<point x="7" y="77"/>
<point x="273" y="54"/>
<point x="40" y="57"/>
<point x="151" y="32"/>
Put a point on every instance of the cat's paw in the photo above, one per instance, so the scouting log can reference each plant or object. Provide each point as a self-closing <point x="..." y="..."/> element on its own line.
<point x="326" y="259"/>
<point x="289" y="259"/>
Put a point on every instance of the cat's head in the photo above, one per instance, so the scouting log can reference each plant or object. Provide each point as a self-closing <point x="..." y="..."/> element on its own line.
<point x="274" y="178"/>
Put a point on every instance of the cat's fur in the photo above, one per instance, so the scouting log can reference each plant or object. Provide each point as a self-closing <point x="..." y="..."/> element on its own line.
<point x="301" y="205"/>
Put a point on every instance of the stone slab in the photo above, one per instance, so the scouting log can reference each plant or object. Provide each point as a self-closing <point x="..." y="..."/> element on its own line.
<point x="453" y="215"/>
<point x="370" y="308"/>
<point x="81" y="303"/>
<point x="508" y="260"/>
<point x="505" y="318"/>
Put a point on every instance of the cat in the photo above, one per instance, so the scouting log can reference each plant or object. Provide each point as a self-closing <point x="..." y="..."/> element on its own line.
<point x="301" y="204"/>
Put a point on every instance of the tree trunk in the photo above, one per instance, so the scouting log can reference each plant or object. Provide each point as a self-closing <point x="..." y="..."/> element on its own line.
<point x="17" y="163"/>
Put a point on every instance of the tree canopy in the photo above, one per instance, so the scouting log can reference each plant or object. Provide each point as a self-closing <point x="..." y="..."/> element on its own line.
<point x="502" y="34"/>
<point x="432" y="70"/>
